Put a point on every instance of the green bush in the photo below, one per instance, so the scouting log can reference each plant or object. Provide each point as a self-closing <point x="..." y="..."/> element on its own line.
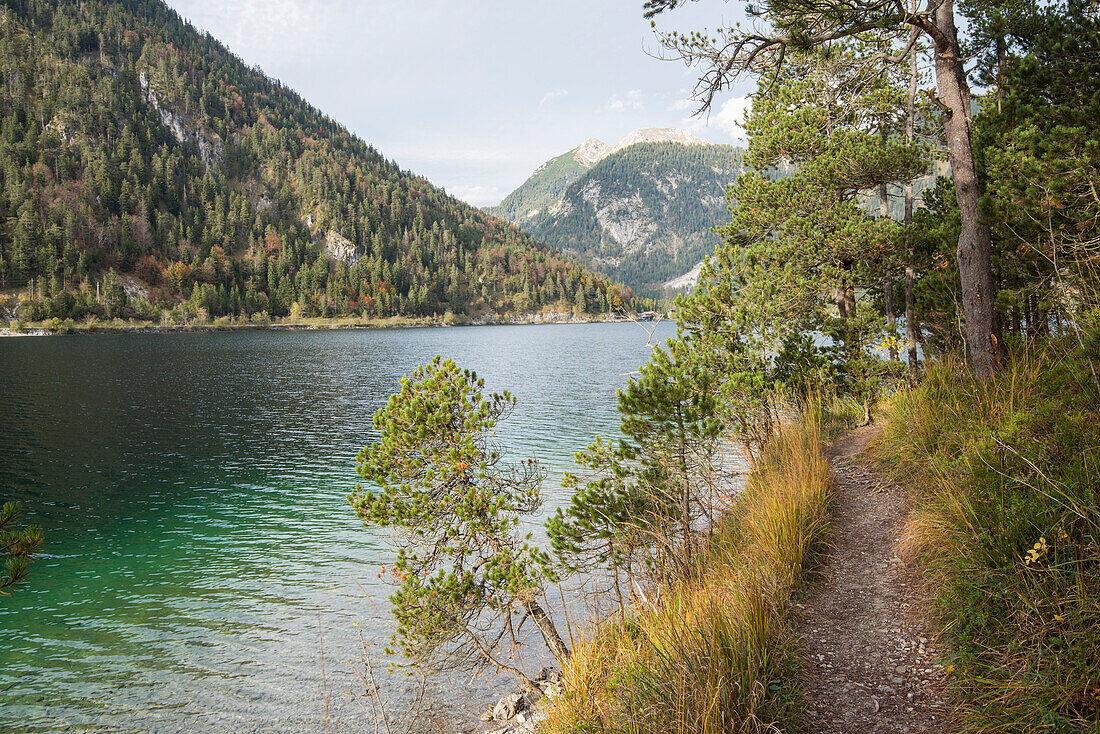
<point x="144" y="310"/>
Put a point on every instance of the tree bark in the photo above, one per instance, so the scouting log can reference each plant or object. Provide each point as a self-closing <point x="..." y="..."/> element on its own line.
<point x="888" y="280"/>
<point x="846" y="309"/>
<point x="910" y="250"/>
<point x="975" y="247"/>
<point x="549" y="632"/>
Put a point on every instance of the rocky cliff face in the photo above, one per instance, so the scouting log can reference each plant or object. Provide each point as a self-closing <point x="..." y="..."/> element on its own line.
<point x="590" y="151"/>
<point x="211" y="148"/>
<point x="341" y="248"/>
<point x="641" y="210"/>
<point x="659" y="135"/>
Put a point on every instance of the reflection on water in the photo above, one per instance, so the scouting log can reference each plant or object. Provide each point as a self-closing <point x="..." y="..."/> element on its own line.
<point x="192" y="489"/>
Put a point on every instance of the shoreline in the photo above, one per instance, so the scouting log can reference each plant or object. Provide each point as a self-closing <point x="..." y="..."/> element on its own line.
<point x="46" y="328"/>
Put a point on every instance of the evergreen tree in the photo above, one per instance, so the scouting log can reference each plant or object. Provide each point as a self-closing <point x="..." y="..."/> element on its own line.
<point x="93" y="180"/>
<point x="646" y="492"/>
<point x="799" y="27"/>
<point x="463" y="567"/>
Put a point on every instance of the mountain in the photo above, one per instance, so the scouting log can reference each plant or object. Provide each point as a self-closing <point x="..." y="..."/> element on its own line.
<point x="640" y="211"/>
<point x="548" y="183"/>
<point x="140" y="158"/>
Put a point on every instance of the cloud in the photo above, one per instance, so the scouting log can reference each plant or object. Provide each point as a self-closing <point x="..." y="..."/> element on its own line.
<point x="550" y="96"/>
<point x="682" y="105"/>
<point x="478" y="195"/>
<point x="632" y="100"/>
<point x="728" y="118"/>
<point x="731" y="116"/>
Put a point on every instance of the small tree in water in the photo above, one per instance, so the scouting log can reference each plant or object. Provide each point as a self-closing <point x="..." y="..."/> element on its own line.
<point x="465" y="570"/>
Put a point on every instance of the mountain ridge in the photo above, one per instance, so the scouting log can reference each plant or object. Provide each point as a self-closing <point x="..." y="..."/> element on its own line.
<point x="594" y="150"/>
<point x="640" y="211"/>
<point x="141" y="146"/>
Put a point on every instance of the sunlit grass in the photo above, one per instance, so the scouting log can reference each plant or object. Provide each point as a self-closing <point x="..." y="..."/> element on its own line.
<point x="715" y="655"/>
<point x="1004" y="477"/>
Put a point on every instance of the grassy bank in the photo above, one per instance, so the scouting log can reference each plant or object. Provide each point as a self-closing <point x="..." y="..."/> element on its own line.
<point x="716" y="653"/>
<point x="116" y="326"/>
<point x="1005" y="478"/>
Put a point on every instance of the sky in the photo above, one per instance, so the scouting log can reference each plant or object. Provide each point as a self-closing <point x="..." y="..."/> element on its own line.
<point x="476" y="95"/>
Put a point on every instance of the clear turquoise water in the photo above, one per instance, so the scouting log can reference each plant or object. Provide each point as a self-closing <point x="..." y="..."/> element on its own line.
<point x="198" y="540"/>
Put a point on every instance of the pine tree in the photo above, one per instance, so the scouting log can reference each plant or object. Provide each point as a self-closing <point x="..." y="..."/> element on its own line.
<point x="464" y="569"/>
<point x="646" y="491"/>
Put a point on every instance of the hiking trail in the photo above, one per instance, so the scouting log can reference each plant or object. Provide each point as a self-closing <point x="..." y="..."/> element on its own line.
<point x="870" y="662"/>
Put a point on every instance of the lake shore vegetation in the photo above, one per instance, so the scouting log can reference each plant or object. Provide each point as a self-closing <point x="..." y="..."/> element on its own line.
<point x="169" y="322"/>
<point x="468" y="579"/>
<point x="1006" y="519"/>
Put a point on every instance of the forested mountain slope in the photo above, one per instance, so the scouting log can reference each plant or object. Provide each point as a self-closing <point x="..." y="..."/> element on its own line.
<point x="642" y="213"/>
<point x="548" y="183"/>
<point x="131" y="142"/>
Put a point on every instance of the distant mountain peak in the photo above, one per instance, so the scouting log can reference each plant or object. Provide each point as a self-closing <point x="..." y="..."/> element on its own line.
<point x="591" y="151"/>
<point x="659" y="135"/>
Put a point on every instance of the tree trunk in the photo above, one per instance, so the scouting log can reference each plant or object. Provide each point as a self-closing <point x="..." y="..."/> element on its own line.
<point x="549" y="632"/>
<point x="888" y="281"/>
<point x="975" y="245"/>
<point x="685" y="490"/>
<point x="846" y="309"/>
<point x="1042" y="322"/>
<point x="910" y="250"/>
<point x="910" y="325"/>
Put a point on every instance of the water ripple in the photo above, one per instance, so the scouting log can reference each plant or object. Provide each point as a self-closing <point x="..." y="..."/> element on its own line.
<point x="192" y="489"/>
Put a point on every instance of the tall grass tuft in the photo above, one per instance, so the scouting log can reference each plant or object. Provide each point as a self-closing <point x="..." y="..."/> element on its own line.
<point x="1004" y="476"/>
<point x="715" y="654"/>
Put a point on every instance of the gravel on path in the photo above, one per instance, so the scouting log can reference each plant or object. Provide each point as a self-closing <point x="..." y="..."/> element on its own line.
<point x="870" y="662"/>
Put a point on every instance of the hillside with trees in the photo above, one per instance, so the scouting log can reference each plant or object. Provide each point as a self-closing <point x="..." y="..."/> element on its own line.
<point x="547" y="184"/>
<point x="148" y="172"/>
<point x="644" y="215"/>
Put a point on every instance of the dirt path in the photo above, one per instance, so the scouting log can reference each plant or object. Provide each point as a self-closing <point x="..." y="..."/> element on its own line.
<point x="870" y="663"/>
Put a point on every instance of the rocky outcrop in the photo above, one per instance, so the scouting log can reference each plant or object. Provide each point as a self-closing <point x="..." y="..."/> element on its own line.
<point x="593" y="150"/>
<point x="686" y="281"/>
<point x="658" y="135"/>
<point x="339" y="247"/>
<point x="520" y="712"/>
<point x="210" y="145"/>
<point x="590" y="151"/>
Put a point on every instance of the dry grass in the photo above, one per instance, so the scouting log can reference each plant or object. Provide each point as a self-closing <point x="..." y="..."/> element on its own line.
<point x="1007" y="523"/>
<point x="715" y="654"/>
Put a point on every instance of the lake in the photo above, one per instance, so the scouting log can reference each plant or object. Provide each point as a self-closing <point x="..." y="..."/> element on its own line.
<point x="199" y="545"/>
